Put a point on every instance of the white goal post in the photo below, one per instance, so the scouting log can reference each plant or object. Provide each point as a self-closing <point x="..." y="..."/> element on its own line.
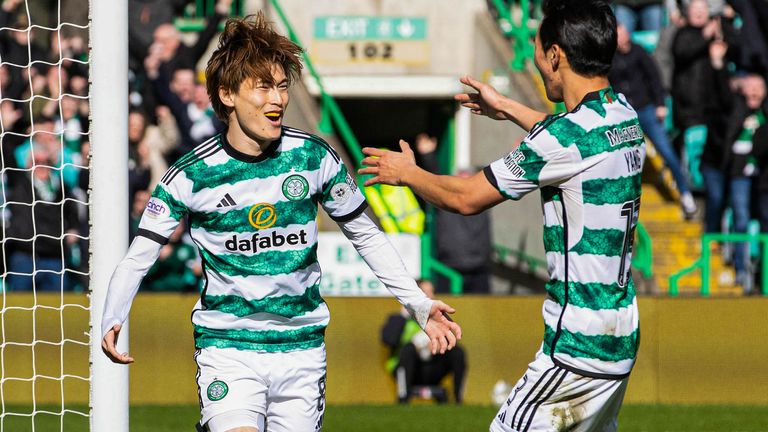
<point x="109" y="200"/>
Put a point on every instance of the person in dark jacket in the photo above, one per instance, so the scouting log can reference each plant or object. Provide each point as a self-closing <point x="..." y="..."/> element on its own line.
<point x="760" y="185"/>
<point x="728" y="162"/>
<point x="634" y="73"/>
<point x="693" y="80"/>
<point x="411" y="362"/>
<point x="39" y="235"/>
<point x="463" y="243"/>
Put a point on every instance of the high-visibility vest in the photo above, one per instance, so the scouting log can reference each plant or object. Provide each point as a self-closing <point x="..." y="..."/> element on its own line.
<point x="404" y="208"/>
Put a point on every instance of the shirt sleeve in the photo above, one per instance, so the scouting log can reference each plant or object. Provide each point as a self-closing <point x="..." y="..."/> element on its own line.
<point x="539" y="161"/>
<point x="340" y="196"/>
<point x="163" y="212"/>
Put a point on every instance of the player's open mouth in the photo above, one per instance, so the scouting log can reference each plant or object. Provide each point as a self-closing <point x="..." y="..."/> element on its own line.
<point x="274" y="117"/>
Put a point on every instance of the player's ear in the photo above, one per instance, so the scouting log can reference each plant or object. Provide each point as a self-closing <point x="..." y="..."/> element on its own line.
<point x="226" y="97"/>
<point x="553" y="56"/>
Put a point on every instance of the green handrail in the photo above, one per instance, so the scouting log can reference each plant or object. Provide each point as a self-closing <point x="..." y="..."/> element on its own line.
<point x="531" y="261"/>
<point x="333" y="118"/>
<point x="521" y="33"/>
<point x="704" y="261"/>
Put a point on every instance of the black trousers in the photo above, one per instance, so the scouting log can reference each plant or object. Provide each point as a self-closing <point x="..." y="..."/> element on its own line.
<point x="431" y="372"/>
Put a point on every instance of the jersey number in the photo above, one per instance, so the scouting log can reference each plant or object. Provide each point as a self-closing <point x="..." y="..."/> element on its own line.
<point x="629" y="211"/>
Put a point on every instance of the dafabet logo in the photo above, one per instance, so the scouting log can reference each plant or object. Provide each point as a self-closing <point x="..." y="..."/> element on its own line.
<point x="262" y="216"/>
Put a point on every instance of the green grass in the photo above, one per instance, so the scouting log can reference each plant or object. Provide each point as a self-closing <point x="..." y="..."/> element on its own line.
<point x="418" y="418"/>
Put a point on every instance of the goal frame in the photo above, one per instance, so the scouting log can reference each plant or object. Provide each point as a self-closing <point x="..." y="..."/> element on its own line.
<point x="108" y="200"/>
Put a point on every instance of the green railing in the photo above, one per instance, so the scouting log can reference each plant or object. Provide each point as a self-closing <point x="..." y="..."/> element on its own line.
<point x="532" y="263"/>
<point x="333" y="120"/>
<point x="704" y="264"/>
<point x="521" y="33"/>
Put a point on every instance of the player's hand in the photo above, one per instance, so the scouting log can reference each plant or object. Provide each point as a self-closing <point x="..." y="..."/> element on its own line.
<point x="387" y="166"/>
<point x="487" y="101"/>
<point x="443" y="332"/>
<point x="108" y="345"/>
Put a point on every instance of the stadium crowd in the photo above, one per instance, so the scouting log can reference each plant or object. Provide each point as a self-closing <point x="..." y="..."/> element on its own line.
<point x="694" y="71"/>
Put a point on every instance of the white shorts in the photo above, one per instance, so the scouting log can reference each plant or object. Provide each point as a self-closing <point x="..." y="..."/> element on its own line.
<point x="550" y="398"/>
<point x="288" y="388"/>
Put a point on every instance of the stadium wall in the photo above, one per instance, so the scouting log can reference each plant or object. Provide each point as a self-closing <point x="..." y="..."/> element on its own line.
<point x="693" y="351"/>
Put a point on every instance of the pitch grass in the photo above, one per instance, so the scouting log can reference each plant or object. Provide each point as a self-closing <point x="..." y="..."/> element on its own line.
<point x="423" y="418"/>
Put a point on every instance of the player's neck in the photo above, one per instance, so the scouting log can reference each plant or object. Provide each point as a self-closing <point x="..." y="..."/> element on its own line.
<point x="575" y="87"/>
<point x="244" y="143"/>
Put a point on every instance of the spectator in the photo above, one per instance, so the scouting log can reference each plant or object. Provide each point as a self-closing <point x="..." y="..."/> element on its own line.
<point x="693" y="81"/>
<point x="728" y="162"/>
<point x="463" y="243"/>
<point x="177" y="268"/>
<point x="35" y="233"/>
<point x="193" y="114"/>
<point x="43" y="137"/>
<point x="648" y="13"/>
<point x="174" y="54"/>
<point x="155" y="141"/>
<point x="634" y="74"/>
<point x="411" y="361"/>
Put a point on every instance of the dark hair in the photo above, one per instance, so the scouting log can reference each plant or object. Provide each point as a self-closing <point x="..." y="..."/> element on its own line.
<point x="248" y="48"/>
<point x="584" y="29"/>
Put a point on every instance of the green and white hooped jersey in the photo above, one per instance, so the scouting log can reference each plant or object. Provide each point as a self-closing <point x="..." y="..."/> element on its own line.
<point x="588" y="164"/>
<point x="254" y="220"/>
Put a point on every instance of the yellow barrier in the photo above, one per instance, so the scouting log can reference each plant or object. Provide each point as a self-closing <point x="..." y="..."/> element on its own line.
<point x="692" y="350"/>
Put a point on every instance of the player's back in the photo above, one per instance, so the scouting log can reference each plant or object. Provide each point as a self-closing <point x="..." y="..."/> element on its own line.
<point x="591" y="209"/>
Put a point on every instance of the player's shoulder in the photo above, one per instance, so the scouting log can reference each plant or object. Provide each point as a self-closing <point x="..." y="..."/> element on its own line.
<point x="193" y="158"/>
<point x="311" y="141"/>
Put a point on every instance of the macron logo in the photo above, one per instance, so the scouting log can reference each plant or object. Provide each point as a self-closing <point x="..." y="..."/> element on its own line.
<point x="226" y="201"/>
<point x="618" y="136"/>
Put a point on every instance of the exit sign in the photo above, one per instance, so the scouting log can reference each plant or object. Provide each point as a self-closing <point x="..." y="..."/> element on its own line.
<point x="370" y="28"/>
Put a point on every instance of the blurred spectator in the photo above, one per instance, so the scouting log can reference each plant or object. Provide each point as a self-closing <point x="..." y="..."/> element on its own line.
<point x="411" y="362"/>
<point x="693" y="82"/>
<point x="189" y="104"/>
<point x="728" y="162"/>
<point x="42" y="227"/>
<point x="634" y="74"/>
<point x="18" y="46"/>
<point x="44" y="138"/>
<point x="139" y="174"/>
<point x="157" y="141"/>
<point x="177" y="268"/>
<point x="648" y="13"/>
<point x="176" y="55"/>
<point x="463" y="243"/>
<point x="140" y="200"/>
<point x="144" y="16"/>
<point x="760" y="152"/>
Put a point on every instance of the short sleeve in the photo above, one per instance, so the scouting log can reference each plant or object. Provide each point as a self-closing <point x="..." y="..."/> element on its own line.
<point x="163" y="212"/>
<point x="539" y="161"/>
<point x="340" y="196"/>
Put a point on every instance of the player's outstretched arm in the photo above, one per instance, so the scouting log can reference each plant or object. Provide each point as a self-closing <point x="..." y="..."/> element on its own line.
<point x="123" y="287"/>
<point x="386" y="264"/>
<point x="489" y="102"/>
<point x="460" y="195"/>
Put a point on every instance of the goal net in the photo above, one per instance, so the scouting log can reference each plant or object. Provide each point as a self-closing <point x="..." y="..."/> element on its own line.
<point x="50" y="268"/>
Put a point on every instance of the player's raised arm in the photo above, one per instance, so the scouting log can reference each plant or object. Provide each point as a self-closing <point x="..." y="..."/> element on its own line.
<point x="461" y="195"/>
<point x="489" y="102"/>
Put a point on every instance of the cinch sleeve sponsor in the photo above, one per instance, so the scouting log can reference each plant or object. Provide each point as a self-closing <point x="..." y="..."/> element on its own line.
<point x="529" y="168"/>
<point x="163" y="212"/>
<point x="340" y="196"/>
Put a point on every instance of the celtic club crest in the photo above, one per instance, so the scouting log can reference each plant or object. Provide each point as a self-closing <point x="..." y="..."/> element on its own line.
<point x="295" y="187"/>
<point x="217" y="390"/>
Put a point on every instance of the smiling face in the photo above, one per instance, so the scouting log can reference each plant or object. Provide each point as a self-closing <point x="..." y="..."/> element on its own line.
<point x="257" y="108"/>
